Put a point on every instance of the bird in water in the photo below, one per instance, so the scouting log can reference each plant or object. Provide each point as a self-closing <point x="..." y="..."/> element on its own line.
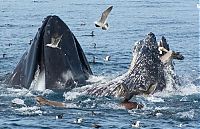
<point x="55" y="41"/>
<point x="94" y="59"/>
<point x="96" y="126"/>
<point x="103" y="20"/>
<point x="107" y="58"/>
<point x="60" y="116"/>
<point x="95" y="45"/>
<point x="78" y="120"/>
<point x="30" y="41"/>
<point x="136" y="124"/>
<point x="91" y="34"/>
<point x="4" y="55"/>
<point x="93" y="113"/>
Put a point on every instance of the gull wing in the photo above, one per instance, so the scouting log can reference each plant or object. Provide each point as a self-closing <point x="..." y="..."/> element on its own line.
<point x="56" y="41"/>
<point x="104" y="15"/>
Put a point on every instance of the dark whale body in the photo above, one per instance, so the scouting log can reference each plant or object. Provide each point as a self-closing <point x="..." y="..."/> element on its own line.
<point x="62" y="67"/>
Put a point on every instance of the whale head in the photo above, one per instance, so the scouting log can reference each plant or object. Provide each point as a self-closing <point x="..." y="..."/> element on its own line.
<point x="54" y="60"/>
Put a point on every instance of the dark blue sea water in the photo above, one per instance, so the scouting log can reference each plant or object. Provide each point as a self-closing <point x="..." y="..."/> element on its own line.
<point x="129" y="21"/>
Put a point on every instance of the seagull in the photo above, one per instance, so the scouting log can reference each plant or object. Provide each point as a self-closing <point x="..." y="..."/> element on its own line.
<point x="30" y="41"/>
<point x="94" y="59"/>
<point x="95" y="45"/>
<point x="102" y="22"/>
<point x="198" y="6"/>
<point x="107" y="58"/>
<point x="78" y="120"/>
<point x="55" y="41"/>
<point x="91" y="34"/>
<point x="96" y="126"/>
<point x="60" y="116"/>
<point x="136" y="124"/>
<point x="4" y="55"/>
<point x="83" y="23"/>
<point x="93" y="113"/>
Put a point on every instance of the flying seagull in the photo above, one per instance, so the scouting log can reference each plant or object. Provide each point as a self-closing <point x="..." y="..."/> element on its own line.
<point x="54" y="42"/>
<point x="102" y="22"/>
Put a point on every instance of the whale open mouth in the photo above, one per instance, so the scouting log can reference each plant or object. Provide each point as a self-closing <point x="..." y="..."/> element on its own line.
<point x="55" y="59"/>
<point x="146" y="73"/>
<point x="150" y="68"/>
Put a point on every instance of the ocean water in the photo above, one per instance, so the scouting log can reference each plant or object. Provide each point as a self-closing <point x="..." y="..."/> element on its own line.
<point x="129" y="21"/>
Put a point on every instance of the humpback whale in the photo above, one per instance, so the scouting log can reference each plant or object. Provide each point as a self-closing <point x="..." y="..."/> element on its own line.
<point x="54" y="61"/>
<point x="149" y="71"/>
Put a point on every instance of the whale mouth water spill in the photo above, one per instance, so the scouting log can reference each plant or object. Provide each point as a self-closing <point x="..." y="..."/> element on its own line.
<point x="38" y="82"/>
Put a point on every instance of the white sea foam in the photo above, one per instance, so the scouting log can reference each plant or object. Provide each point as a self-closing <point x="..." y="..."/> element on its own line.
<point x="161" y="108"/>
<point x="186" y="115"/>
<point x="152" y="98"/>
<point x="112" y="105"/>
<point x="30" y="110"/>
<point x="17" y="92"/>
<point x="184" y="90"/>
<point x="18" y="102"/>
<point x="71" y="95"/>
<point x="189" y="90"/>
<point x="70" y="105"/>
<point x="159" y="114"/>
<point x="96" y="79"/>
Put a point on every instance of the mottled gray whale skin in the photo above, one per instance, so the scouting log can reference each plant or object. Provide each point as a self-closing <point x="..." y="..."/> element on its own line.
<point x="146" y="69"/>
<point x="146" y="75"/>
<point x="56" y="52"/>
